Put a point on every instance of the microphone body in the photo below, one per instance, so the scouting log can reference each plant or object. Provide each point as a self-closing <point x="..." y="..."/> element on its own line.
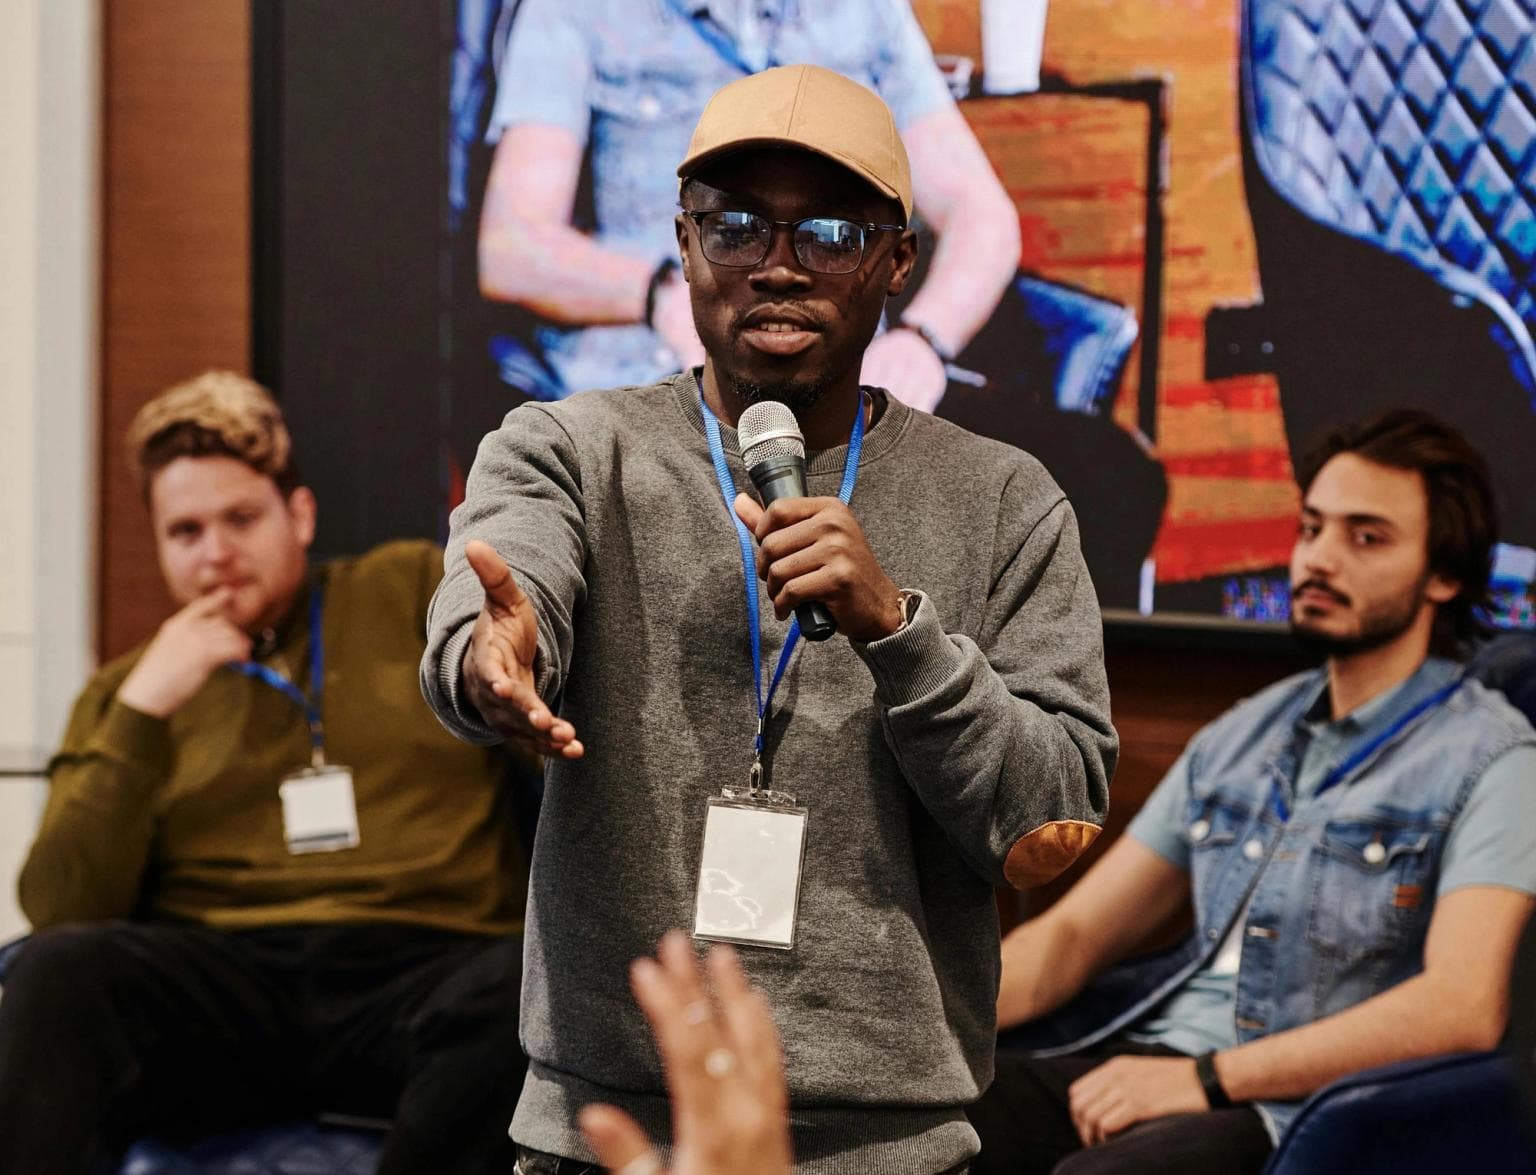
<point x="784" y="477"/>
<point x="774" y="453"/>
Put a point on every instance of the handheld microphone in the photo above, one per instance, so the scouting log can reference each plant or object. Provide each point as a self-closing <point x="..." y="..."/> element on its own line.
<point x="773" y="451"/>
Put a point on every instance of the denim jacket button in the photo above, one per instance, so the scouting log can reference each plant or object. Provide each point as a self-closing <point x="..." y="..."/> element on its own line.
<point x="1253" y="849"/>
<point x="1374" y="853"/>
<point x="1199" y="830"/>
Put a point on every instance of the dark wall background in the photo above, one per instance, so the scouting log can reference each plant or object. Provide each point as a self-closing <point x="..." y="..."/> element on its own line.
<point x="348" y="158"/>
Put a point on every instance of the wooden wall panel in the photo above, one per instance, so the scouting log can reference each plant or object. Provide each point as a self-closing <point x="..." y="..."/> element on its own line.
<point x="176" y="240"/>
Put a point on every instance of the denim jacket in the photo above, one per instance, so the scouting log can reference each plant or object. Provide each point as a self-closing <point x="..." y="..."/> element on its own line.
<point x="1339" y="897"/>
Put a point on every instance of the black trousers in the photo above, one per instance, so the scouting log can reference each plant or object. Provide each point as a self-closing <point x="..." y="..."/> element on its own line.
<point x="115" y="1031"/>
<point x="1026" y="1127"/>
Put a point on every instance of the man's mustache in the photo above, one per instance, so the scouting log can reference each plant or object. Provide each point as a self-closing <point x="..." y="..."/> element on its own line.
<point x="1319" y="586"/>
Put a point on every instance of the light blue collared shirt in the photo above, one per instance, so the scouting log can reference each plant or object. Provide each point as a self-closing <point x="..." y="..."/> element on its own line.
<point x="1493" y="842"/>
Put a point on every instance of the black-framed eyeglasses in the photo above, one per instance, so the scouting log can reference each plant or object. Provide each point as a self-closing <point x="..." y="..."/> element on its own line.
<point x="823" y="244"/>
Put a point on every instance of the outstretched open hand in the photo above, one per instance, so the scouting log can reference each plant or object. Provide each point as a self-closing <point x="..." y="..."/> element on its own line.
<point x="498" y="665"/>
<point x="730" y="1107"/>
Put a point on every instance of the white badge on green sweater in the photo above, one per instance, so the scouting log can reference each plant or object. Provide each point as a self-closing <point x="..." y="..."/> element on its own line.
<point x="749" y="871"/>
<point x="319" y="810"/>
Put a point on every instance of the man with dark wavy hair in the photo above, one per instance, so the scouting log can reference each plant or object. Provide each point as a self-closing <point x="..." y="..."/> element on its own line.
<point x="1355" y="844"/>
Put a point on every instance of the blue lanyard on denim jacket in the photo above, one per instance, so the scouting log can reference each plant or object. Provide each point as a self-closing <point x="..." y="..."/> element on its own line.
<point x="1277" y="801"/>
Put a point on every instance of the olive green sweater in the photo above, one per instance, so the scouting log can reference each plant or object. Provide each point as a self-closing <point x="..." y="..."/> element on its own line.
<point x="180" y="817"/>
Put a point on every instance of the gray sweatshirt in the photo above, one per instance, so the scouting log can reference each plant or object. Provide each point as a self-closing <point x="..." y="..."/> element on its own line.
<point x="970" y="748"/>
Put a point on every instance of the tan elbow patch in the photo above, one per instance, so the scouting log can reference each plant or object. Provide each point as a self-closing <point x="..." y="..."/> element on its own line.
<point x="1040" y="855"/>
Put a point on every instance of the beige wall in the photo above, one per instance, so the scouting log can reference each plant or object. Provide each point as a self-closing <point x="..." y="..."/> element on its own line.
<point x="124" y="225"/>
<point x="48" y="255"/>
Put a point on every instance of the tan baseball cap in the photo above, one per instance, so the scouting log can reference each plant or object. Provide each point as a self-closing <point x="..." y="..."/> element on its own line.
<point x="812" y="108"/>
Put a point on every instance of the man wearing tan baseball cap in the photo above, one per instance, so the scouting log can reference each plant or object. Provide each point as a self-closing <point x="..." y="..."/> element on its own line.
<point x="811" y="108"/>
<point x="617" y="599"/>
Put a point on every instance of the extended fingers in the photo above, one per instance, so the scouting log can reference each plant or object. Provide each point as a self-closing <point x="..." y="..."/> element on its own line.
<point x="530" y="726"/>
<point x="682" y="1021"/>
<point x="621" y="1145"/>
<point x="749" y="1025"/>
<point x="551" y="734"/>
<point x="513" y="708"/>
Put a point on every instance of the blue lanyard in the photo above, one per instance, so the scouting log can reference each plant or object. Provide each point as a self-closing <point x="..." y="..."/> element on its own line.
<point x="311" y="704"/>
<point x="715" y="38"/>
<point x="749" y="563"/>
<point x="1277" y="800"/>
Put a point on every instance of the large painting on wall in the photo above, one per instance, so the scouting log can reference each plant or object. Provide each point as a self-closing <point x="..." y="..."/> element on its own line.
<point x="1159" y="253"/>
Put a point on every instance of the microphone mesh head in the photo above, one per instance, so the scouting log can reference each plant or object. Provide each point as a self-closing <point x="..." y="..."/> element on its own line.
<point x="768" y="429"/>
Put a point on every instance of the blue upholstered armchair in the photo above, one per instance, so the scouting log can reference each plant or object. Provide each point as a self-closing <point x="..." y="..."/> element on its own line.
<point x="1390" y="165"/>
<point x="1455" y="1113"/>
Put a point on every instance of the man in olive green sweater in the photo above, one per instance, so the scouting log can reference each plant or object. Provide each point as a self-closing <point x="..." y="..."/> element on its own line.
<point x="267" y="882"/>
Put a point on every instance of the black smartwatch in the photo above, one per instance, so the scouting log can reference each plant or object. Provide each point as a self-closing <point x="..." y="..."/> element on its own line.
<point x="1205" y="1069"/>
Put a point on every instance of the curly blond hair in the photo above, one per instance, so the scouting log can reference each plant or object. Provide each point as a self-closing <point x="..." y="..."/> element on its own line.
<point x="216" y="414"/>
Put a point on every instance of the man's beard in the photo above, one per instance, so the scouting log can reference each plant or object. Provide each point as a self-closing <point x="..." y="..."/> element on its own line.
<point x="1379" y="626"/>
<point x="797" y="395"/>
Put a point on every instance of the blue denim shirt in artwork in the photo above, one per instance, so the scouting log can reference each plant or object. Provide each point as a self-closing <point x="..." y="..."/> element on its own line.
<point x="629" y="78"/>
<point x="1335" y="901"/>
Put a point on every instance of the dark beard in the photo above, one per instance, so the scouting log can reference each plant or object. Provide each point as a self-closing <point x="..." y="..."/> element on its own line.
<point x="1377" y="629"/>
<point x="1320" y="644"/>
<point x="797" y="396"/>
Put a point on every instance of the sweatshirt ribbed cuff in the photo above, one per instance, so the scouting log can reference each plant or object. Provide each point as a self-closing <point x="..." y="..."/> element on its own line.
<point x="914" y="661"/>
<point x="467" y="722"/>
